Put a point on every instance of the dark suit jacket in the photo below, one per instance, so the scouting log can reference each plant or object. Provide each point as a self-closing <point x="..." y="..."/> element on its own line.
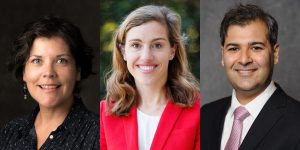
<point x="277" y="127"/>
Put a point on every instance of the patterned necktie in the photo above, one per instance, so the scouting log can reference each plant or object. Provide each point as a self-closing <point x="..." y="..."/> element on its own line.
<point x="234" y="141"/>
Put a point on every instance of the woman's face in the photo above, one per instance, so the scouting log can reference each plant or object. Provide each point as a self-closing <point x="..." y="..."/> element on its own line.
<point x="50" y="72"/>
<point x="147" y="53"/>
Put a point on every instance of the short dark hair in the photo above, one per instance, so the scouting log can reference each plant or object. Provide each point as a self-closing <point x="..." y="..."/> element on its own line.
<point x="243" y="15"/>
<point x="50" y="26"/>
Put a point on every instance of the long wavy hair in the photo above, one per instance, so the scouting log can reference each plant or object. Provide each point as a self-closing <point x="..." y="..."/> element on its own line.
<point x="182" y="87"/>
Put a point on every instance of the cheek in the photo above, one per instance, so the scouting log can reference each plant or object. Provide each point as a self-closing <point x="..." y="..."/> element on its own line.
<point x="130" y="58"/>
<point x="228" y="60"/>
<point x="69" y="74"/>
<point x="30" y="75"/>
<point x="263" y="60"/>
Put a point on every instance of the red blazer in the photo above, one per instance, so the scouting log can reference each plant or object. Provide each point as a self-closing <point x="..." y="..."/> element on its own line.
<point x="178" y="128"/>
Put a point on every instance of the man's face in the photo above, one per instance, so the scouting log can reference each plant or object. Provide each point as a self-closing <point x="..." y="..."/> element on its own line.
<point x="248" y="59"/>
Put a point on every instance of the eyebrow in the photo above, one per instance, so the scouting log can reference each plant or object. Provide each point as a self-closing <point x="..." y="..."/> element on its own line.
<point x="231" y="44"/>
<point x="255" y="43"/>
<point x="61" y="55"/>
<point x="251" y="43"/>
<point x="155" y="39"/>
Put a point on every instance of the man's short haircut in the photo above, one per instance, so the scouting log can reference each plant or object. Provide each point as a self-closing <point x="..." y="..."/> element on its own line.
<point x="243" y="15"/>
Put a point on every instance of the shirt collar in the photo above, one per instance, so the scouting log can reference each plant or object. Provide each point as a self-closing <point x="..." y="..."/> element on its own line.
<point x="75" y="115"/>
<point x="254" y="106"/>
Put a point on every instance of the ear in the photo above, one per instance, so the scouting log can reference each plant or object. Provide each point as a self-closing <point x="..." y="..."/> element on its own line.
<point x="276" y="53"/>
<point x="222" y="53"/>
<point x="173" y="52"/>
<point x="121" y="48"/>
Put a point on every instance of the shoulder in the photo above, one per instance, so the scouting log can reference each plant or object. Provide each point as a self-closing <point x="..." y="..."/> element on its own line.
<point x="17" y="123"/>
<point x="13" y="129"/>
<point x="102" y="105"/>
<point x="217" y="105"/>
<point x="293" y="107"/>
<point x="82" y="121"/>
<point x="89" y="118"/>
<point x="282" y="100"/>
<point x="103" y="108"/>
<point x="10" y="126"/>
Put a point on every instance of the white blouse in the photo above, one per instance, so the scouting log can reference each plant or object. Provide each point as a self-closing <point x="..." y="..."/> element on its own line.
<point x="147" y="126"/>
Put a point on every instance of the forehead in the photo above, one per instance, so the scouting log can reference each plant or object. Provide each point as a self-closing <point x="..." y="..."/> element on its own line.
<point x="254" y="31"/>
<point x="49" y="45"/>
<point x="147" y="31"/>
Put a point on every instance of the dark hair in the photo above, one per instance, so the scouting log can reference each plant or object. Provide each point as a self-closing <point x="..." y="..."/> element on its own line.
<point x="243" y="15"/>
<point x="50" y="26"/>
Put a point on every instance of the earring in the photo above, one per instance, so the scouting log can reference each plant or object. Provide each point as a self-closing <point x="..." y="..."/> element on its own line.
<point x="171" y="57"/>
<point x="25" y="91"/>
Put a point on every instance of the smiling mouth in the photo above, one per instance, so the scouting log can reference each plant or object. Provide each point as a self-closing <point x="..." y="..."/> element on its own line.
<point x="245" y="72"/>
<point x="147" y="68"/>
<point x="49" y="86"/>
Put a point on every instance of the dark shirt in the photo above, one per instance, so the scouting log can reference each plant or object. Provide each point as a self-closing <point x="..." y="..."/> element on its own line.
<point x="79" y="131"/>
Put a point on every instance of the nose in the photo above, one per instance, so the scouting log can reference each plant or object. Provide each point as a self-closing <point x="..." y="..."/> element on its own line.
<point x="49" y="71"/>
<point x="245" y="57"/>
<point x="146" y="53"/>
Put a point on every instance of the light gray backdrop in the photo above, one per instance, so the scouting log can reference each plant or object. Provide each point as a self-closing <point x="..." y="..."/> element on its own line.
<point x="213" y="81"/>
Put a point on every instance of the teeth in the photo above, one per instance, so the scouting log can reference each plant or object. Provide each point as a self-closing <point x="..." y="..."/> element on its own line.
<point x="49" y="86"/>
<point x="147" y="68"/>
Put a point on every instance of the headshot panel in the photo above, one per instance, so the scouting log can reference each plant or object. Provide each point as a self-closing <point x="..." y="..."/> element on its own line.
<point x="110" y="20"/>
<point x="214" y="82"/>
<point x="151" y="92"/>
<point x="258" y="113"/>
<point x="17" y="14"/>
<point x="50" y="99"/>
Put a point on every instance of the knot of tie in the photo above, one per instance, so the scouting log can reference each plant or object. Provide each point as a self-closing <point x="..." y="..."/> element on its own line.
<point x="241" y="113"/>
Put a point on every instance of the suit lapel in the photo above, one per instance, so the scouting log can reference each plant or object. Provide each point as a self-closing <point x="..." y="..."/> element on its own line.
<point x="166" y="125"/>
<point x="131" y="129"/>
<point x="267" y="118"/>
<point x="219" y="123"/>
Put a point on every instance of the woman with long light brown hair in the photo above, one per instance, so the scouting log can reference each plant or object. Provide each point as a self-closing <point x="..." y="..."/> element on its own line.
<point x="152" y="99"/>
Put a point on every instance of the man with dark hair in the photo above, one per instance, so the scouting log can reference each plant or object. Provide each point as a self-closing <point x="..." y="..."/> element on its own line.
<point x="259" y="115"/>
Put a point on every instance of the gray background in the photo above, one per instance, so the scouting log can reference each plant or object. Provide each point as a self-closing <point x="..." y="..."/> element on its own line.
<point x="14" y="15"/>
<point x="213" y="81"/>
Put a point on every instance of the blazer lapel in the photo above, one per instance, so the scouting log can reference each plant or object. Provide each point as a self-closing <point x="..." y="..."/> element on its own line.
<point x="219" y="123"/>
<point x="267" y="118"/>
<point x="166" y="125"/>
<point x="131" y="129"/>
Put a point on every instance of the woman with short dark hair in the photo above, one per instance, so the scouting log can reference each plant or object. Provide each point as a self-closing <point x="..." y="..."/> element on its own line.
<point x="49" y="59"/>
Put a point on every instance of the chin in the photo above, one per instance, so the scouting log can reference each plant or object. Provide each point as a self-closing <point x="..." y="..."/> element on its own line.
<point x="48" y="103"/>
<point x="245" y="89"/>
<point x="245" y="86"/>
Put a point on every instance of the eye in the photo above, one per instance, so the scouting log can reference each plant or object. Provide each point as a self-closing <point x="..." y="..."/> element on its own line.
<point x="233" y="49"/>
<point x="36" y="61"/>
<point x="257" y="48"/>
<point x="62" y="61"/>
<point x="157" y="45"/>
<point x="135" y="45"/>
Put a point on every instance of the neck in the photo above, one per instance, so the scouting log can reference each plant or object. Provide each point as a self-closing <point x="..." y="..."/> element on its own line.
<point x="53" y="117"/>
<point x="244" y="97"/>
<point x="48" y="119"/>
<point x="152" y="101"/>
